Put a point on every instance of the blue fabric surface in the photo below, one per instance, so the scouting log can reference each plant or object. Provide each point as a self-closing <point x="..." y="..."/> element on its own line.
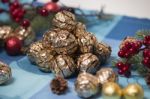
<point x="30" y="83"/>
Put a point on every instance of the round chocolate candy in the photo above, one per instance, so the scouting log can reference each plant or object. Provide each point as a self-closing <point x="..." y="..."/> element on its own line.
<point x="88" y="62"/>
<point x="63" y="41"/>
<point x="86" y="85"/>
<point x="64" y="20"/>
<point x="63" y="66"/>
<point x="5" y="73"/>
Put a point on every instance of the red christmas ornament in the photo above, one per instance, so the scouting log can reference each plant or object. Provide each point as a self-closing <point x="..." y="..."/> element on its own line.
<point x="25" y="23"/>
<point x="13" y="45"/>
<point x="43" y="12"/>
<point x="52" y="7"/>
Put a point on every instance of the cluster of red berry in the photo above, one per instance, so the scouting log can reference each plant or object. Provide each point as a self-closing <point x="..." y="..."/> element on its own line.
<point x="130" y="49"/>
<point x="17" y="11"/>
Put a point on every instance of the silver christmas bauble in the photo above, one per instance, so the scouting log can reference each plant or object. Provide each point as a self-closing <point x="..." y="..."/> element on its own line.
<point x="63" y="66"/>
<point x="63" y="41"/>
<point x="88" y="62"/>
<point x="86" y="42"/>
<point x="106" y="75"/>
<point x="86" y="85"/>
<point x="5" y="73"/>
<point x="64" y="20"/>
<point x="103" y="51"/>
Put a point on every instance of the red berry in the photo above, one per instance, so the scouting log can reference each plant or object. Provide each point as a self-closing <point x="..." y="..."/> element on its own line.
<point x="121" y="53"/>
<point x="15" y="4"/>
<point x="17" y="19"/>
<point x="120" y="65"/>
<point x="121" y="72"/>
<point x="25" y="23"/>
<point x="43" y="12"/>
<point x="147" y="38"/>
<point x="146" y="52"/>
<point x="145" y="61"/>
<point x="125" y="68"/>
<point x="127" y="55"/>
<point x="13" y="45"/>
<point x="128" y="45"/>
<point x="5" y="1"/>
<point x="132" y="51"/>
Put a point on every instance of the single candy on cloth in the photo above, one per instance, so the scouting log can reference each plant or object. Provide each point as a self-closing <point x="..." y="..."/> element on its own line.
<point x="5" y="73"/>
<point x="88" y="62"/>
<point x="105" y="75"/>
<point x="63" y="41"/>
<point x="63" y="66"/>
<point x="64" y="20"/>
<point x="86" y="85"/>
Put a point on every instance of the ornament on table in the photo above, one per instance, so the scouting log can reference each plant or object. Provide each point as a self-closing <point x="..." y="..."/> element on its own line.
<point x="111" y="90"/>
<point x="5" y="73"/>
<point x="13" y="45"/>
<point x="105" y="75"/>
<point x="26" y="35"/>
<point x="5" y="31"/>
<point x="63" y="66"/>
<point x="59" y="85"/>
<point x="88" y="62"/>
<point x="133" y="91"/>
<point x="63" y="41"/>
<point x="103" y="51"/>
<point x="51" y="7"/>
<point x="64" y="20"/>
<point x="86" y="42"/>
<point x="86" y="85"/>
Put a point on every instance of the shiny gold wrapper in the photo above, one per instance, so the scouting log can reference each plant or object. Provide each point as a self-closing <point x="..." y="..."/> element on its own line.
<point x="86" y="85"/>
<point x="103" y="51"/>
<point x="105" y="75"/>
<point x="86" y="42"/>
<point x="34" y="50"/>
<point x="80" y="29"/>
<point x="26" y="35"/>
<point x="111" y="90"/>
<point x="133" y="91"/>
<point x="5" y="31"/>
<point x="64" y="20"/>
<point x="127" y="39"/>
<point x="88" y="62"/>
<point x="5" y="73"/>
<point x="63" y="41"/>
<point x="63" y="66"/>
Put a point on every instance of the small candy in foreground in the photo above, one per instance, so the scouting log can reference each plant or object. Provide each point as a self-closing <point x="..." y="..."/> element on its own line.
<point x="88" y="62"/>
<point x="133" y="91"/>
<point x="5" y="73"/>
<point x="105" y="75"/>
<point x="86" y="85"/>
<point x="111" y="90"/>
<point x="58" y="85"/>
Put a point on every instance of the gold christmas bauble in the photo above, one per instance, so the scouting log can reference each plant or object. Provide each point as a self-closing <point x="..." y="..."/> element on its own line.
<point x="111" y="90"/>
<point x="133" y="91"/>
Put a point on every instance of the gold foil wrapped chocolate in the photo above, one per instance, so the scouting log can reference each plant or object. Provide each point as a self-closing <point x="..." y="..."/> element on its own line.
<point x="88" y="62"/>
<point x="26" y="35"/>
<point x="86" y="85"/>
<point x="103" y="51"/>
<point x="63" y="66"/>
<point x="105" y="75"/>
<point x="133" y="91"/>
<point x="63" y="41"/>
<point x="5" y="73"/>
<point x="86" y="42"/>
<point x="80" y="29"/>
<point x="64" y="20"/>
<point x="111" y="90"/>
<point x="34" y="50"/>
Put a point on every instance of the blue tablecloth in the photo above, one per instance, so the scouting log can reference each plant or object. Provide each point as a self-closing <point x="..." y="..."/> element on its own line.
<point x="30" y="83"/>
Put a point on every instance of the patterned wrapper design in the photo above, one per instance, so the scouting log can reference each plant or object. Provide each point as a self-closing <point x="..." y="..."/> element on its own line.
<point x="5" y="73"/>
<point x="105" y="75"/>
<point x="26" y="35"/>
<point x="88" y="62"/>
<point x="86" y="42"/>
<point x="63" y="66"/>
<point x="63" y="41"/>
<point x="80" y="29"/>
<point x="64" y="20"/>
<point x="86" y="85"/>
<point x="103" y="51"/>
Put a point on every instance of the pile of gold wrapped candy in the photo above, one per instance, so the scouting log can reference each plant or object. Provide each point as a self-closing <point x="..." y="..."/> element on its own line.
<point x="68" y="49"/>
